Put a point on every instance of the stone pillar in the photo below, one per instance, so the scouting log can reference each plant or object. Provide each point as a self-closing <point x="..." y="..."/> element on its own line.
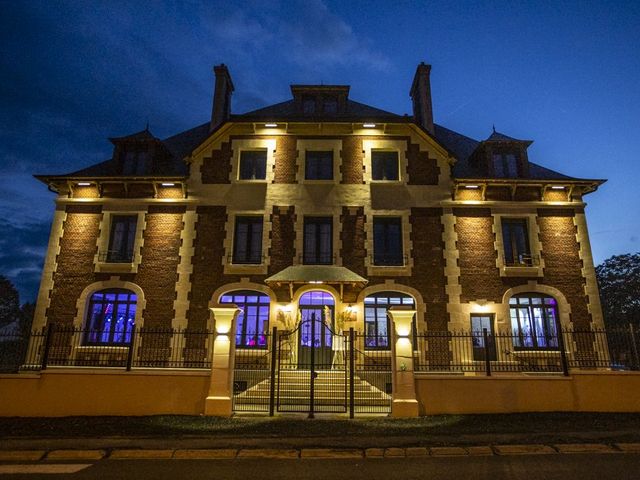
<point x="220" y="397"/>
<point x="404" y="402"/>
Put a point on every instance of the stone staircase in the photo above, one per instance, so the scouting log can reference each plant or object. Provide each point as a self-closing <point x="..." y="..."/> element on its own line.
<point x="331" y="392"/>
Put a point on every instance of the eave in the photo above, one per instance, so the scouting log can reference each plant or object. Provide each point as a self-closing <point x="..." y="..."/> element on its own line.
<point x="586" y="185"/>
<point x="67" y="183"/>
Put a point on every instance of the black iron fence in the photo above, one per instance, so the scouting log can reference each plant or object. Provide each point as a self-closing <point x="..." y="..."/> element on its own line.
<point x="76" y="347"/>
<point x="488" y="352"/>
<point x="434" y="352"/>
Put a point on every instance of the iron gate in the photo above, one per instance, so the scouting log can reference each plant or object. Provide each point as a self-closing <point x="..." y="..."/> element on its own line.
<point x="312" y="370"/>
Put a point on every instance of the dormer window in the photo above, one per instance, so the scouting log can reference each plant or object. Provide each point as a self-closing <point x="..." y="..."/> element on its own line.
<point x="330" y="105"/>
<point x="505" y="165"/>
<point x="309" y="104"/>
<point x="135" y="163"/>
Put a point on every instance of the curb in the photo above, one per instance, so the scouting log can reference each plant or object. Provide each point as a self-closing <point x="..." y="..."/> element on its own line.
<point x="12" y="456"/>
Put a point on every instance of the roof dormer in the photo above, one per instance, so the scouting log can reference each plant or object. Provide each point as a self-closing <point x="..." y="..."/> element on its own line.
<point x="501" y="156"/>
<point x="139" y="154"/>
<point x="320" y="100"/>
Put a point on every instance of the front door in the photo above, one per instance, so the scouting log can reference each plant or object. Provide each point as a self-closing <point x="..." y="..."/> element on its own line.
<point x="315" y="334"/>
<point x="480" y="323"/>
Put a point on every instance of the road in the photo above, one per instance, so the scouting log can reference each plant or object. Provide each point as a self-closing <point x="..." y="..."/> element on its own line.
<point x="543" y="467"/>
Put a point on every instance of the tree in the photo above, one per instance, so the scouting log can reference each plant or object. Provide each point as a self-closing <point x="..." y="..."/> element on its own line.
<point x="9" y="301"/>
<point x="619" y="282"/>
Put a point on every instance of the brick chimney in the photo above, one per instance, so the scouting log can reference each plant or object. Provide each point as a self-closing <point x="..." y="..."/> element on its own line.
<point x="421" y="96"/>
<point x="221" y="96"/>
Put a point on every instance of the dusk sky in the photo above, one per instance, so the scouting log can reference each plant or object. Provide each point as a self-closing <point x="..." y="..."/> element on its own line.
<point x="564" y="74"/>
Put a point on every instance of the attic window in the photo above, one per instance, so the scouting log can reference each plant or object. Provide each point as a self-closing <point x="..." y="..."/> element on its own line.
<point x="309" y="104"/>
<point x="505" y="165"/>
<point x="330" y="105"/>
<point x="135" y="163"/>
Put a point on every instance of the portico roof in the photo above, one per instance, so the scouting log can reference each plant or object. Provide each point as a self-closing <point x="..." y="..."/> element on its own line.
<point x="316" y="274"/>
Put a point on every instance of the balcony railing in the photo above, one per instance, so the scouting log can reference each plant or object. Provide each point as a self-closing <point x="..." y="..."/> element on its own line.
<point x="250" y="259"/>
<point x="523" y="260"/>
<point x="393" y="260"/>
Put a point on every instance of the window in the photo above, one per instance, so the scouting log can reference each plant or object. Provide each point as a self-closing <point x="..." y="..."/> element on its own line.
<point x="253" y="319"/>
<point x="309" y="104"/>
<point x="330" y="105"/>
<point x="253" y="165"/>
<point x="376" y="321"/>
<point x="384" y="165"/>
<point x="122" y="239"/>
<point x="480" y="323"/>
<point x="505" y="165"/>
<point x="318" y="166"/>
<point x="534" y="321"/>
<point x="136" y="163"/>
<point x="515" y="239"/>
<point x="247" y="241"/>
<point x="387" y="241"/>
<point x="318" y="241"/>
<point x="110" y="317"/>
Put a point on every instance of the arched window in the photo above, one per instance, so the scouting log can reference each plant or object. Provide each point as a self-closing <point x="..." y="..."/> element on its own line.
<point x="110" y="317"/>
<point x="253" y="319"/>
<point x="534" y="321"/>
<point x="376" y="322"/>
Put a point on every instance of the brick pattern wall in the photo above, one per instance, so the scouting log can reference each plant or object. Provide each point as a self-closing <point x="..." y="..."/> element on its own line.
<point x="353" y="238"/>
<point x="498" y="194"/>
<point x="479" y="276"/>
<point x="285" y="167"/>
<point x="283" y="235"/>
<point x="428" y="264"/>
<point x="158" y="271"/>
<point x="563" y="266"/>
<point x="532" y="194"/>
<point x="216" y="168"/>
<point x="422" y="170"/>
<point x="352" y="161"/>
<point x="207" y="262"/>
<point x="75" y="261"/>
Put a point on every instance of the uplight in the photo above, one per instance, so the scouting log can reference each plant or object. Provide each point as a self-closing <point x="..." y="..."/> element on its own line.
<point x="369" y="125"/>
<point x="270" y="125"/>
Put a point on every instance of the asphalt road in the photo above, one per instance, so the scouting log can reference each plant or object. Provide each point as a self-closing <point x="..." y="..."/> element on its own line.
<point x="544" y="467"/>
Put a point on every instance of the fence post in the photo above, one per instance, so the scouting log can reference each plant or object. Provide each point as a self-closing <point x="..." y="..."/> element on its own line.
<point x="487" y="359"/>
<point x="272" y="385"/>
<point x="351" y="373"/>
<point x="563" y="353"/>
<point x="634" y="343"/>
<point x="47" y="346"/>
<point x="131" y="347"/>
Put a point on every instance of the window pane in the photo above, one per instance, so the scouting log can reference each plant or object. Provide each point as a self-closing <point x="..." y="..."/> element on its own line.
<point x="384" y="165"/>
<point x="253" y="165"/>
<point x="319" y="166"/>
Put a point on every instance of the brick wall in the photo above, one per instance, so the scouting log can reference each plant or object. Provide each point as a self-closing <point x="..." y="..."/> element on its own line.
<point x="216" y="168"/>
<point x="562" y="264"/>
<point x="207" y="262"/>
<point x="283" y="235"/>
<point x="75" y="261"/>
<point x="285" y="168"/>
<point x="352" y="160"/>
<point x="422" y="170"/>
<point x="158" y="271"/>
<point x="353" y="238"/>
<point x="479" y="276"/>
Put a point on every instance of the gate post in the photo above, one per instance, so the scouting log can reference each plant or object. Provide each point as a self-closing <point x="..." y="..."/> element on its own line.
<point x="219" y="401"/>
<point x="404" y="402"/>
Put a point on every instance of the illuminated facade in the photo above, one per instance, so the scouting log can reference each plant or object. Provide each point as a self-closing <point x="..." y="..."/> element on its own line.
<point x="320" y="202"/>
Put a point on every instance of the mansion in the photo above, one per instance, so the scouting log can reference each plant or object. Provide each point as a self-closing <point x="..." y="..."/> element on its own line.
<point x="321" y="209"/>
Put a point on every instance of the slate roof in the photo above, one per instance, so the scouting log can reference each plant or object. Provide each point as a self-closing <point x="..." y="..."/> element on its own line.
<point x="462" y="147"/>
<point x="287" y="111"/>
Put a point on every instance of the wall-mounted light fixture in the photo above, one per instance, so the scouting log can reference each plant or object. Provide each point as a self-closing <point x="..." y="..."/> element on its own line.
<point x="368" y="125"/>
<point x="168" y="184"/>
<point x="557" y="187"/>
<point x="84" y="184"/>
<point x="316" y="282"/>
<point x="271" y="125"/>
<point x="472" y="187"/>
